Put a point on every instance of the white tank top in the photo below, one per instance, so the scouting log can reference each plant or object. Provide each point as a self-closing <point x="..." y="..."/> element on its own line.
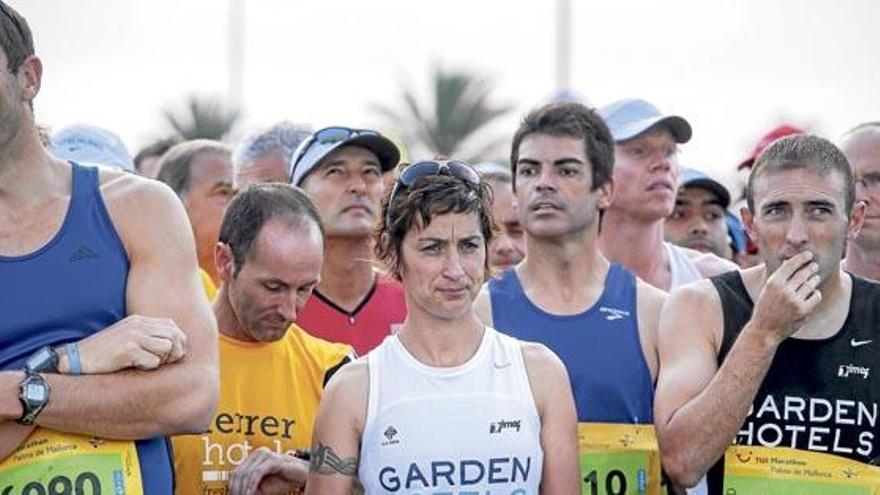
<point x="468" y="429"/>
<point x="682" y="269"/>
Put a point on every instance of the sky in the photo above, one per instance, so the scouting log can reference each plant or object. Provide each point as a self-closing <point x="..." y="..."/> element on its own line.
<point x="733" y="69"/>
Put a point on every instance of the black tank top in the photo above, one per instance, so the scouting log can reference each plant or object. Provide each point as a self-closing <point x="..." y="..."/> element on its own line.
<point x="818" y="395"/>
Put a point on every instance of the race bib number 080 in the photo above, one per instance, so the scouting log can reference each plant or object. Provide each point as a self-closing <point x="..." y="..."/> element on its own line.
<point x="782" y="471"/>
<point x="55" y="463"/>
<point x="618" y="459"/>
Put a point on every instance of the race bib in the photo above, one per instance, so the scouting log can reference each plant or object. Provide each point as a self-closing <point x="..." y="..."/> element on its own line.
<point x="783" y="471"/>
<point x="54" y="463"/>
<point x="618" y="459"/>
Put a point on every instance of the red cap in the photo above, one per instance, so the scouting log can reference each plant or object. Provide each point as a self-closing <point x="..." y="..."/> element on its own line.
<point x="766" y="140"/>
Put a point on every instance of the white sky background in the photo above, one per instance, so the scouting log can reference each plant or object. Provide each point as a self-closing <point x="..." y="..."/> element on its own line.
<point x="732" y="68"/>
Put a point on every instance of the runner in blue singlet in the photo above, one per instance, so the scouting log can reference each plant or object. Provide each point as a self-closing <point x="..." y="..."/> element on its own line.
<point x="103" y="262"/>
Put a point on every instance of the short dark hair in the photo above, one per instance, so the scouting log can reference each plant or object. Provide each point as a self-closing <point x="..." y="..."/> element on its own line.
<point x="15" y="37"/>
<point x="570" y="119"/>
<point x="426" y="198"/>
<point x="803" y="151"/>
<point x="156" y="148"/>
<point x="250" y="209"/>
<point x="175" y="166"/>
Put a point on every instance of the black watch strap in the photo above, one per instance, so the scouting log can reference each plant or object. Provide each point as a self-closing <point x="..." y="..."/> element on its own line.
<point x="45" y="360"/>
<point x="34" y="396"/>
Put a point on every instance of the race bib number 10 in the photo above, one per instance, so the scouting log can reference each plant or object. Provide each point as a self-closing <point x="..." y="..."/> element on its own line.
<point x="618" y="459"/>
<point x="781" y="471"/>
<point x="54" y="463"/>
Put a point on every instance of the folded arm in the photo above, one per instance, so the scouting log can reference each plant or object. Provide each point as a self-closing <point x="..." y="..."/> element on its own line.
<point x="162" y="283"/>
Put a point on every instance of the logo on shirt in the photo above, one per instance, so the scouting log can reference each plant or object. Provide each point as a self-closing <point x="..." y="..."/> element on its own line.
<point x="744" y="458"/>
<point x="846" y="370"/>
<point x="390" y="434"/>
<point x="82" y="253"/>
<point x="612" y="314"/>
<point x="859" y="343"/>
<point x="505" y="424"/>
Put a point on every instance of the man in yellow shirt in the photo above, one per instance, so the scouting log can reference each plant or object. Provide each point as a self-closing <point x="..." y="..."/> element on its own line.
<point x="272" y="373"/>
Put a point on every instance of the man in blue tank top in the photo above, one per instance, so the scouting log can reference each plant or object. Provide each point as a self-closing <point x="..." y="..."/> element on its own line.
<point x="781" y="355"/>
<point x="107" y="343"/>
<point x="596" y="316"/>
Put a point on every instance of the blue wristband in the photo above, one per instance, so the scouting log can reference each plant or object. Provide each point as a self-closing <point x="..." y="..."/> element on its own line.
<point x="73" y="361"/>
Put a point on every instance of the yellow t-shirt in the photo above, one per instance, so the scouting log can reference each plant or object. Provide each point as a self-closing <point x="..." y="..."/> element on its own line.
<point x="269" y="396"/>
<point x="208" y="285"/>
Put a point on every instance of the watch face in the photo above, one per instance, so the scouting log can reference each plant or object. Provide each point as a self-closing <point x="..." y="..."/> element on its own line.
<point x="35" y="392"/>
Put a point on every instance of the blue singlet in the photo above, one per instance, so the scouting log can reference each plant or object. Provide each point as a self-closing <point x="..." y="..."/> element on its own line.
<point x="69" y="289"/>
<point x="600" y="347"/>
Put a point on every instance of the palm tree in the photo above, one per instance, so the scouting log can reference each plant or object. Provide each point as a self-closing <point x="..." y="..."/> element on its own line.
<point x="202" y="118"/>
<point x="447" y="124"/>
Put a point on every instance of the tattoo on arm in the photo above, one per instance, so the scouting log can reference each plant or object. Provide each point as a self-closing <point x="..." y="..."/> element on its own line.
<point x="325" y="461"/>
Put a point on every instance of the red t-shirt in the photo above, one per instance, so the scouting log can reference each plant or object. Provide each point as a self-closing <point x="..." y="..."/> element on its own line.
<point x="366" y="326"/>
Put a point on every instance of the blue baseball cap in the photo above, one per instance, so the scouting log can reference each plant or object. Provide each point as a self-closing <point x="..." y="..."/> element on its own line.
<point x="91" y="145"/>
<point x="628" y="119"/>
<point x="736" y="231"/>
<point x="691" y="177"/>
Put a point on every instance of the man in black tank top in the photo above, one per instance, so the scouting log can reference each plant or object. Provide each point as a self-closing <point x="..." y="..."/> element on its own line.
<point x="785" y="354"/>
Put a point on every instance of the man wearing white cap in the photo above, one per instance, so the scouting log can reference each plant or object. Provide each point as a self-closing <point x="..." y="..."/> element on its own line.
<point x="341" y="169"/>
<point x="646" y="176"/>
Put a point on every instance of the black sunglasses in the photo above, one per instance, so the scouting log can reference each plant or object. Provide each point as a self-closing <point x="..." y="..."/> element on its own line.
<point x="324" y="137"/>
<point x="454" y="168"/>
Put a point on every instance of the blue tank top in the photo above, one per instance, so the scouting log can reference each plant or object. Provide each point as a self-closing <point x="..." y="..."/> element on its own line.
<point x="69" y="289"/>
<point x="600" y="347"/>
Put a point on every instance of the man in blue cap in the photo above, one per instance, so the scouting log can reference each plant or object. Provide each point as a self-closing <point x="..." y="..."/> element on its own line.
<point x="646" y="173"/>
<point x="700" y="220"/>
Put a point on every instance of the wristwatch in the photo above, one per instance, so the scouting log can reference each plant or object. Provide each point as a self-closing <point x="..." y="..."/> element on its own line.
<point x="44" y="360"/>
<point x="34" y="396"/>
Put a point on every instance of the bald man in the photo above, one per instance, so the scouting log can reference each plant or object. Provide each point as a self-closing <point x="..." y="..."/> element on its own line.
<point x="861" y="145"/>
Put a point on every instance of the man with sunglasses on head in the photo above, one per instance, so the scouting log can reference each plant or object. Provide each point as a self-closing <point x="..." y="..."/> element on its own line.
<point x="341" y="170"/>
<point x="861" y="145"/>
<point x="646" y="173"/>
<point x="596" y="316"/>
<point x="107" y="343"/>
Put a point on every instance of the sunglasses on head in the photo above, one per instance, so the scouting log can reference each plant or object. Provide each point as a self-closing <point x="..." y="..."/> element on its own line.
<point x="328" y="136"/>
<point x="454" y="168"/>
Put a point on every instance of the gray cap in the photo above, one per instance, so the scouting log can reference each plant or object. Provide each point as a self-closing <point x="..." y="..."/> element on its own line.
<point x="628" y="119"/>
<point x="91" y="145"/>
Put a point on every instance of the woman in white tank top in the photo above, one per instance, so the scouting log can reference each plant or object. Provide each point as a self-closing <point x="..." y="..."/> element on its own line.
<point x="446" y="405"/>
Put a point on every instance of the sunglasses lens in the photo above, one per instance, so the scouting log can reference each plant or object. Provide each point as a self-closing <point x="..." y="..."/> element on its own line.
<point x="416" y="170"/>
<point x="333" y="135"/>
<point x="464" y="172"/>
